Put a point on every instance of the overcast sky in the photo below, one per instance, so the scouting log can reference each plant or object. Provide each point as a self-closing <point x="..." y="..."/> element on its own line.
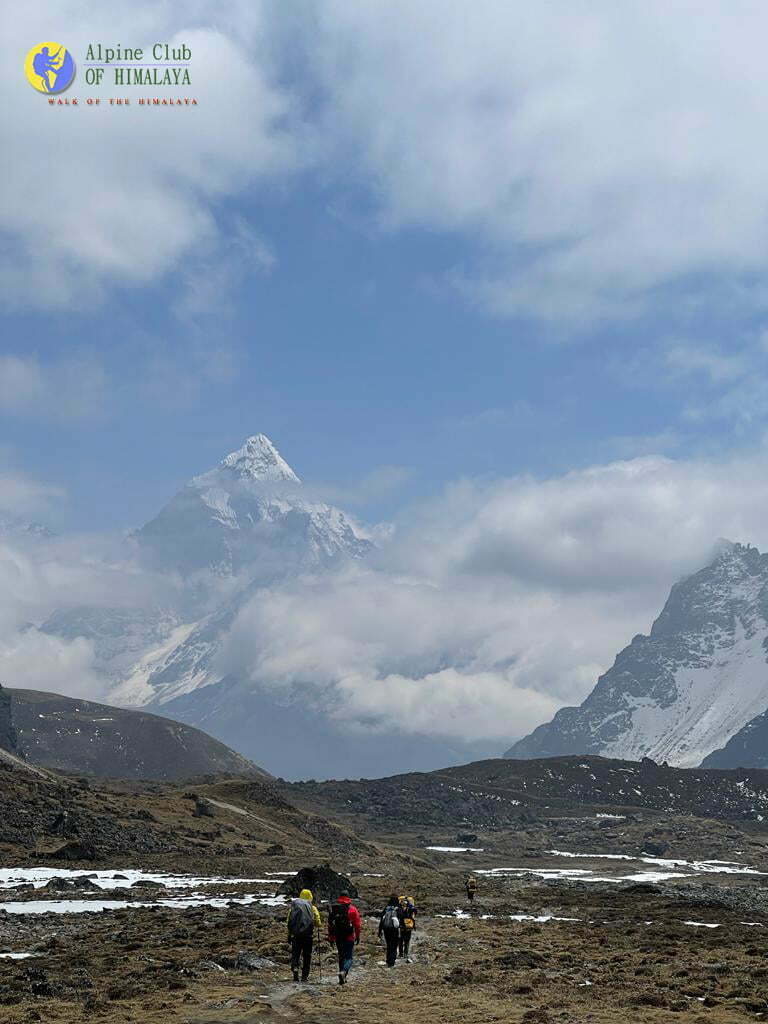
<point x="494" y="272"/>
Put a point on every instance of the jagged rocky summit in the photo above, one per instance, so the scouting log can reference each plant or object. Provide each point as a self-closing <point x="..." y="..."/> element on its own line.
<point x="698" y="683"/>
<point x="249" y="513"/>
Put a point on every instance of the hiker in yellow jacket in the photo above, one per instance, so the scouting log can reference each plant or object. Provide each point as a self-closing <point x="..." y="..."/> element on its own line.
<point x="303" y="918"/>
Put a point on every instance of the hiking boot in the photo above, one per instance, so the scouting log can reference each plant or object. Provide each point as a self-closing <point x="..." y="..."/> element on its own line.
<point x="295" y="975"/>
<point x="342" y="977"/>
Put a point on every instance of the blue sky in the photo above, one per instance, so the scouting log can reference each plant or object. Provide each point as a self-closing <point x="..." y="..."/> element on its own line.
<point x="486" y="271"/>
<point x="353" y="354"/>
<point x="495" y="273"/>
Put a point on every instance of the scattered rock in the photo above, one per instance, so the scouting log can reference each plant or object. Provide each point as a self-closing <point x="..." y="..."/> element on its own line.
<point x="251" y="962"/>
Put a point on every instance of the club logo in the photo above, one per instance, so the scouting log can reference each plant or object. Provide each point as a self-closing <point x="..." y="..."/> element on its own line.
<point x="49" y="67"/>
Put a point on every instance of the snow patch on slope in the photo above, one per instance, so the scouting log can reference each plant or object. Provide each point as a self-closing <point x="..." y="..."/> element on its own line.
<point x="713" y="702"/>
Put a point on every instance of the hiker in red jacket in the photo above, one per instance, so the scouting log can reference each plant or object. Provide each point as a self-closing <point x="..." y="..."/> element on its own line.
<point x="344" y="924"/>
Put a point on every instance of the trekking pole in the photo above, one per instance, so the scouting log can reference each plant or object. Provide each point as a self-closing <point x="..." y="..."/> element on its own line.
<point x="320" y="954"/>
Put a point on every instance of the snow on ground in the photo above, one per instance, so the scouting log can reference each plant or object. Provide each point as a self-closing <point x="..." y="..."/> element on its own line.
<point x="119" y="878"/>
<point x="602" y="856"/>
<point x="17" y="956"/>
<point x="455" y="849"/>
<point x="541" y="918"/>
<point x="580" y="874"/>
<point x="538" y="918"/>
<point x="96" y="906"/>
<point x="717" y="867"/>
<point x="701" y="924"/>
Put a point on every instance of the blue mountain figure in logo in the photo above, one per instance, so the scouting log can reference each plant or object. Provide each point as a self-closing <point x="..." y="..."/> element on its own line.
<point x="53" y="69"/>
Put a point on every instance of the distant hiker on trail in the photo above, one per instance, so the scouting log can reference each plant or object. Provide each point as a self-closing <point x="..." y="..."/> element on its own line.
<point x="407" y="924"/>
<point x="344" y="924"/>
<point x="471" y="887"/>
<point x="389" y="926"/>
<point x="303" y="918"/>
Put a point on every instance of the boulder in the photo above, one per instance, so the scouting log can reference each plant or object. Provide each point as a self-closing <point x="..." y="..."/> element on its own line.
<point x="322" y="880"/>
<point x="203" y="809"/>
<point x="655" y="847"/>
<point x="75" y="850"/>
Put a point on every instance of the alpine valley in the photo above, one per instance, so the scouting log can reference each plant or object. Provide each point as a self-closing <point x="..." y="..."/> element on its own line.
<point x="694" y="690"/>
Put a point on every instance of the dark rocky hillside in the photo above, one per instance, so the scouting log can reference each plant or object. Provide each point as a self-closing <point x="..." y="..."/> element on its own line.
<point x="48" y="818"/>
<point x="7" y="731"/>
<point x="503" y="792"/>
<point x="82" y="737"/>
<point x="748" y="747"/>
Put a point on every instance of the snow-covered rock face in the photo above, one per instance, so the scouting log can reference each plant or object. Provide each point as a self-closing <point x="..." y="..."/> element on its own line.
<point x="258" y="459"/>
<point x="243" y="525"/>
<point x="248" y="514"/>
<point x="682" y="692"/>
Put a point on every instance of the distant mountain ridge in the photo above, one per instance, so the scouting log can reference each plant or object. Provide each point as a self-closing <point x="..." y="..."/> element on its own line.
<point x="77" y="736"/>
<point x="684" y="691"/>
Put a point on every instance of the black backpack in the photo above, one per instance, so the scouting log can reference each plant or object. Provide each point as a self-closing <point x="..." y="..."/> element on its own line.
<point x="301" y="920"/>
<point x="339" y="923"/>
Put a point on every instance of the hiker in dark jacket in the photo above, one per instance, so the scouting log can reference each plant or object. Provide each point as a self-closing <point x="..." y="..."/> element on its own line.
<point x="390" y="923"/>
<point x="407" y="925"/>
<point x="344" y="925"/>
<point x="303" y="918"/>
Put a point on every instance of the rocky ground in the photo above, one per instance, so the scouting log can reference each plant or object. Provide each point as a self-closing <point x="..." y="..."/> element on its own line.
<point x="655" y="932"/>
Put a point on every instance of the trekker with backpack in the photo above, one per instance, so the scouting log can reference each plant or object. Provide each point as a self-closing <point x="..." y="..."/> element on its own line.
<point x="407" y="925"/>
<point x="344" y="924"/>
<point x="389" y="926"/>
<point x="303" y="917"/>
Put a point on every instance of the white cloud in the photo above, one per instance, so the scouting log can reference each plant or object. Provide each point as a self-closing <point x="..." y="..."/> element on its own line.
<point x="107" y="196"/>
<point x="35" y="661"/>
<point x="591" y="153"/>
<point x="485" y="611"/>
<point x="584" y="156"/>
<point x="71" y="387"/>
<point x="23" y="497"/>
<point x="500" y="602"/>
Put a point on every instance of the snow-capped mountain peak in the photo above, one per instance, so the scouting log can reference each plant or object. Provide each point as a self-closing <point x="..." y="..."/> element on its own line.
<point x="683" y="691"/>
<point x="250" y="513"/>
<point x="256" y="460"/>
